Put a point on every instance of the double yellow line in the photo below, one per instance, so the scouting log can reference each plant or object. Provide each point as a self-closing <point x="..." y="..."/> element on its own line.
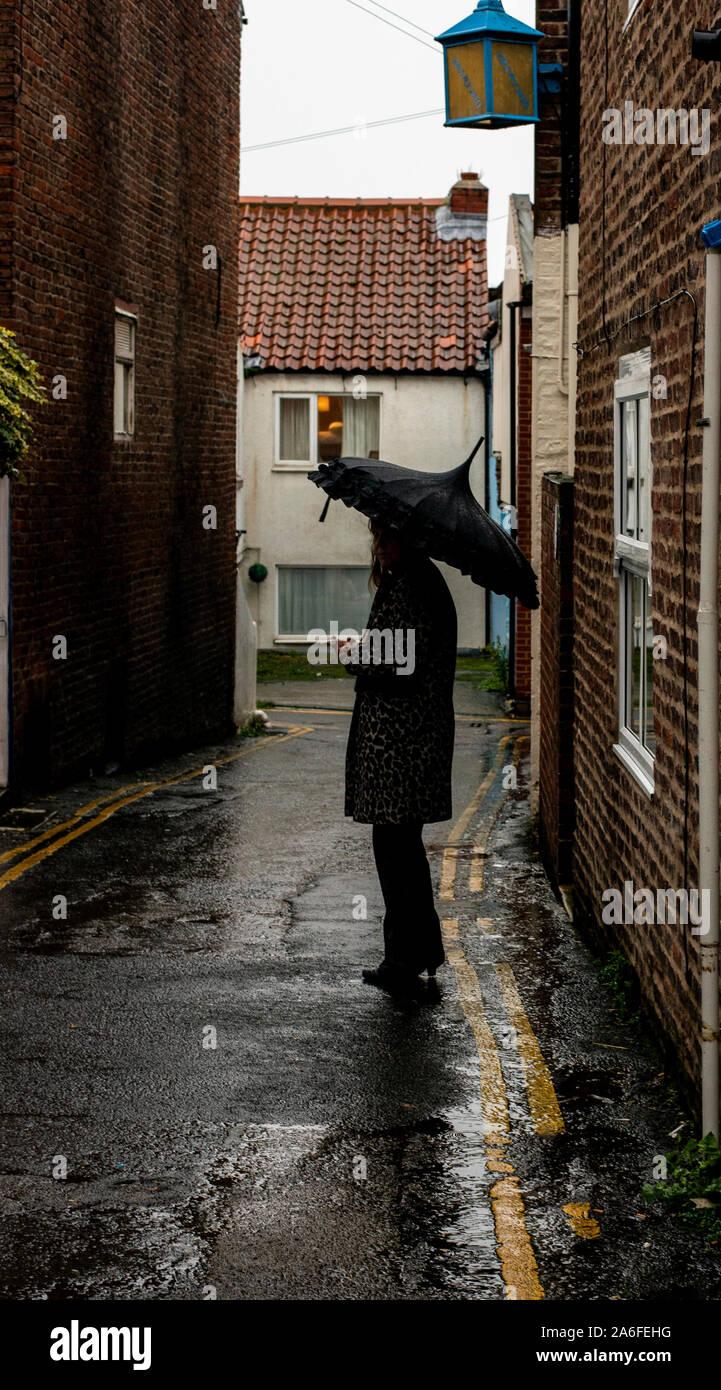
<point x="450" y="853"/>
<point x="515" y="1250"/>
<point x="52" y="839"/>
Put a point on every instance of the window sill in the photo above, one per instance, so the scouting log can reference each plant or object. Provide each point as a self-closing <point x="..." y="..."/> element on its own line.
<point x="293" y="467"/>
<point x="637" y="772"/>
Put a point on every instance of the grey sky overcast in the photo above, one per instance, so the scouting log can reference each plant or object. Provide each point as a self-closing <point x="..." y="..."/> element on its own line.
<point x="324" y="64"/>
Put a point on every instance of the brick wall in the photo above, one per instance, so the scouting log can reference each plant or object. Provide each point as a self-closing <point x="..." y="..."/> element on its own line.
<point x="468" y="194"/>
<point x="108" y="546"/>
<point x="8" y="158"/>
<point x="646" y="247"/>
<point x="548" y="150"/>
<point x="556" y="805"/>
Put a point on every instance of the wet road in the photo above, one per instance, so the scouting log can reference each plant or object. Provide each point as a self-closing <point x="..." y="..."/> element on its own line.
<point x="202" y="1099"/>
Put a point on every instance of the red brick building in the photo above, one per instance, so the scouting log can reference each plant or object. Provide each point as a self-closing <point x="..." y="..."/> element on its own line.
<point x="637" y="479"/>
<point x="119" y="137"/>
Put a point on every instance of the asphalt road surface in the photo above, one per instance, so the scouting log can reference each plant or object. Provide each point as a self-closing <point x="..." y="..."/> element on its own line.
<point x="202" y="1099"/>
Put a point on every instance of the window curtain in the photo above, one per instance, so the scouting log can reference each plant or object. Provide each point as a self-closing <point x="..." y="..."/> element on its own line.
<point x="361" y="427"/>
<point x="294" y="429"/>
<point x="312" y="596"/>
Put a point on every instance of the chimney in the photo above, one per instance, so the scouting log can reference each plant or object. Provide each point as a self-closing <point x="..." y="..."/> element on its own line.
<point x="469" y="195"/>
<point x="465" y="211"/>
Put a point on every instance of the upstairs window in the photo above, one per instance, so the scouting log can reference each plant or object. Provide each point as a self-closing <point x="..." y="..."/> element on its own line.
<point x="636" y="745"/>
<point x="125" y="325"/>
<point x="315" y="428"/>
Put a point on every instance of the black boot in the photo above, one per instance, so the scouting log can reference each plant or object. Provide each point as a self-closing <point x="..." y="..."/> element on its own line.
<point x="394" y="978"/>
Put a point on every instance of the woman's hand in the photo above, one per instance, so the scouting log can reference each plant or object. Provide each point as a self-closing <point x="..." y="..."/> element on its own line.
<point x="347" y="647"/>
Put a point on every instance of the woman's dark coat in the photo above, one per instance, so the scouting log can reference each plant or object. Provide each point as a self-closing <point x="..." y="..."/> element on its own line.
<point x="400" y="746"/>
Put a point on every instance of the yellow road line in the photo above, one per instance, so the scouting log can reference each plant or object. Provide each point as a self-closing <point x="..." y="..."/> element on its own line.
<point x="515" y="1251"/>
<point x="494" y="1101"/>
<point x="450" y="856"/>
<point x="278" y="710"/>
<point x="296" y="709"/>
<point x="581" y="1221"/>
<point x="460" y="825"/>
<point x="448" y="874"/>
<point x="148" y="788"/>
<point x="475" y="877"/>
<point x="64" y="825"/>
<point x="542" y="1102"/>
<point x="518" y="1262"/>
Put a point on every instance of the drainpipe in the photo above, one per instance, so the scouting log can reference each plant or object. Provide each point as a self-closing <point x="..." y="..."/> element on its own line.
<point x="708" y="686"/>
<point x="512" y="306"/>
<point x="486" y="375"/>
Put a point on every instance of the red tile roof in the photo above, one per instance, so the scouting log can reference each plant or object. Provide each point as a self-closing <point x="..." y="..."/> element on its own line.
<point x="366" y="284"/>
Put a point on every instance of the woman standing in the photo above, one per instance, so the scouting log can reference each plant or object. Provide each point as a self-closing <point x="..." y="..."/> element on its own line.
<point x="400" y="749"/>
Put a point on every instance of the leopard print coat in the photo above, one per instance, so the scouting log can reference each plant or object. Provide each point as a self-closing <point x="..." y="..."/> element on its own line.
<point x="400" y="745"/>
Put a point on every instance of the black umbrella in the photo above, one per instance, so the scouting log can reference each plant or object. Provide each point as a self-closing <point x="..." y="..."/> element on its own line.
<point x="438" y="513"/>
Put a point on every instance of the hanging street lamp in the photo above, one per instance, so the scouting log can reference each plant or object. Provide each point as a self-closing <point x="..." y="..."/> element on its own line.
<point x="491" y="67"/>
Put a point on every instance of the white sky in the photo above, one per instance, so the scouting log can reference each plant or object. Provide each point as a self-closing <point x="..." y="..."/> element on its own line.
<point x="313" y="65"/>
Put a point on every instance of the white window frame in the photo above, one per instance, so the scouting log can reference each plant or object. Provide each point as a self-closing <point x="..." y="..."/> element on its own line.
<point x="278" y="462"/>
<point x="294" y="639"/>
<point x="128" y="364"/>
<point x="631" y="558"/>
<point x="295" y="465"/>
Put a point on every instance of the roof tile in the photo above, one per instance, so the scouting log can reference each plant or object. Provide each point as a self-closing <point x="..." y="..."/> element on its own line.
<point x="358" y="285"/>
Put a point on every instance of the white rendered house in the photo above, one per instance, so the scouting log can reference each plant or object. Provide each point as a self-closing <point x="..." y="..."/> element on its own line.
<point x="362" y="326"/>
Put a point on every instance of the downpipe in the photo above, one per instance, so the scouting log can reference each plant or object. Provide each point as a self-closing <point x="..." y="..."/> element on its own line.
<point x="708" y="687"/>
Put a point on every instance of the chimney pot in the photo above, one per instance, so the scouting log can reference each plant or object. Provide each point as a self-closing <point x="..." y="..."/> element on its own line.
<point x="469" y="195"/>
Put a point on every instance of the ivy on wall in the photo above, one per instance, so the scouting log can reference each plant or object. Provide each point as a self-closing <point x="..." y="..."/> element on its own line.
<point x="20" y="385"/>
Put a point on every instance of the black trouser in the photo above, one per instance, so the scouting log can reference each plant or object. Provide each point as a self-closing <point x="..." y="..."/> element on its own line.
<point x="411" y="929"/>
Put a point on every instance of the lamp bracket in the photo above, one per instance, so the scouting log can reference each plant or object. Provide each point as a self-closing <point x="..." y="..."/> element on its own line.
<point x="550" y="76"/>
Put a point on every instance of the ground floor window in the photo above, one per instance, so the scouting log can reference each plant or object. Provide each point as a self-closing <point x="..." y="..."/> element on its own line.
<point x="313" y="596"/>
<point x="638" y="660"/>
<point x="632" y="550"/>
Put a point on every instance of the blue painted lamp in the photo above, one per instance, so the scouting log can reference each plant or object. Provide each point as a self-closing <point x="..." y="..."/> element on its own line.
<point x="491" y="64"/>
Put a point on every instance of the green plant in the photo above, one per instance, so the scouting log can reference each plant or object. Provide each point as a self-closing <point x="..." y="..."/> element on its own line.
<point x="691" y="1187"/>
<point x="493" y="661"/>
<point x="19" y="384"/>
<point x="255" y="728"/>
<point x="501" y="657"/>
<point x="620" y="979"/>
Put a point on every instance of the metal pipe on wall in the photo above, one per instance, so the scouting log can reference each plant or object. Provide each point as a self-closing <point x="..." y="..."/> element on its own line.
<point x="512" y="306"/>
<point x="708" y="688"/>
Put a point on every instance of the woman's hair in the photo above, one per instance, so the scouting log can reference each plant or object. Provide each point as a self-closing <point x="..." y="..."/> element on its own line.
<point x="379" y="533"/>
<point x="376" y="567"/>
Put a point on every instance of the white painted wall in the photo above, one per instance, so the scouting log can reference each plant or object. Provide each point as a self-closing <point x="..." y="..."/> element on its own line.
<point x="512" y="289"/>
<point x="555" y="323"/>
<point x="428" y="422"/>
